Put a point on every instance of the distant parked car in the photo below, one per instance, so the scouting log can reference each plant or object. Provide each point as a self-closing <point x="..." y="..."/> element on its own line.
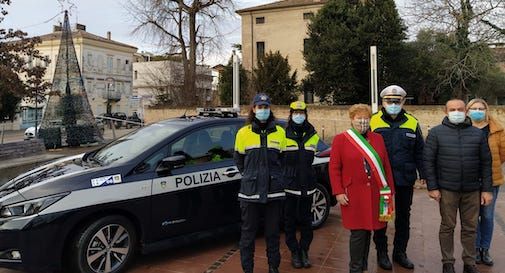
<point x="119" y="115"/>
<point x="30" y="132"/>
<point x="134" y="118"/>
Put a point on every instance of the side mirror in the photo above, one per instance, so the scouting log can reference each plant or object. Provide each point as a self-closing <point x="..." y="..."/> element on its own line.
<point x="171" y="163"/>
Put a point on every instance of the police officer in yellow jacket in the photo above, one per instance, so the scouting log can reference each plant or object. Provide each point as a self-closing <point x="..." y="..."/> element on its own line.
<point x="301" y="145"/>
<point x="404" y="142"/>
<point x="258" y="154"/>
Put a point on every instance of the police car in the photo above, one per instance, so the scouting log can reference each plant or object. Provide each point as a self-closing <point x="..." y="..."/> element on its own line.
<point x="163" y="185"/>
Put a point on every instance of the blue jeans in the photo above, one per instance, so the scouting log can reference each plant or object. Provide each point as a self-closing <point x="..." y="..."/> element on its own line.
<point x="486" y="222"/>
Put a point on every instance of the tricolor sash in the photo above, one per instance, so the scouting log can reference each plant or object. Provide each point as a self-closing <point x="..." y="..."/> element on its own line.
<point x="386" y="206"/>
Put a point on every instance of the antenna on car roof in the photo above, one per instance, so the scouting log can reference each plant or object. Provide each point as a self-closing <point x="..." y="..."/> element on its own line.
<point x="184" y="115"/>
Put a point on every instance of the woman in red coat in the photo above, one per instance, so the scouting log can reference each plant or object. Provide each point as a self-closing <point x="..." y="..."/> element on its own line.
<point x="362" y="181"/>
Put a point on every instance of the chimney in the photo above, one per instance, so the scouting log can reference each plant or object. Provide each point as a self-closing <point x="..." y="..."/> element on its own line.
<point x="108" y="35"/>
<point x="57" y="28"/>
<point x="80" y="27"/>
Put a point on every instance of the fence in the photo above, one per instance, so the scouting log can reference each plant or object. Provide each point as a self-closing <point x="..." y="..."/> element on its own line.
<point x="330" y="120"/>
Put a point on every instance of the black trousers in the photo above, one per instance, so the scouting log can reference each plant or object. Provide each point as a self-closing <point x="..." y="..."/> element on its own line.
<point x="359" y="247"/>
<point x="297" y="213"/>
<point x="251" y="216"/>
<point x="403" y="202"/>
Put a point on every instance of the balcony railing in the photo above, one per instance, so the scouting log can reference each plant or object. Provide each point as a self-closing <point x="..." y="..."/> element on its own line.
<point x="111" y="95"/>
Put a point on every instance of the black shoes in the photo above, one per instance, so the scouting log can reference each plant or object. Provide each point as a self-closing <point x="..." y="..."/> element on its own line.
<point x="448" y="268"/>
<point x="273" y="270"/>
<point x="469" y="269"/>
<point x="383" y="260"/>
<point x="478" y="257"/>
<point x="486" y="258"/>
<point x="305" y="259"/>
<point x="403" y="260"/>
<point x="296" y="262"/>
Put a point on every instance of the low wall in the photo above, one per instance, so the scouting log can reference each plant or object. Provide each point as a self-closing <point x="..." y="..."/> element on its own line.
<point x="330" y="120"/>
<point x="21" y="149"/>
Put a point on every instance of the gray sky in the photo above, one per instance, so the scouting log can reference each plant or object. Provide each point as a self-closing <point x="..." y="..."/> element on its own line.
<point x="38" y="16"/>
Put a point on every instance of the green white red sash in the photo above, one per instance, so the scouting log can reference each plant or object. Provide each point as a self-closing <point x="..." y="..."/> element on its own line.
<point x="386" y="206"/>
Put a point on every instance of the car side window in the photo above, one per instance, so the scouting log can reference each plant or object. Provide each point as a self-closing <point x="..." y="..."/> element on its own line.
<point x="211" y="144"/>
<point x="152" y="161"/>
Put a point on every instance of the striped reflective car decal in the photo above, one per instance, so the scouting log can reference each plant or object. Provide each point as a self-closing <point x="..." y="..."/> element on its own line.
<point x="101" y="195"/>
<point x="132" y="190"/>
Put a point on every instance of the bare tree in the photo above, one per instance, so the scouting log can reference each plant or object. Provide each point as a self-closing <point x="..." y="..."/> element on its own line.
<point x="164" y="80"/>
<point x="471" y="24"/>
<point x="187" y="27"/>
<point x="477" y="20"/>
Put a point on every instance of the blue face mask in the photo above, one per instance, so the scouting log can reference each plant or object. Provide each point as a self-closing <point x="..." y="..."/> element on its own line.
<point x="298" y="118"/>
<point x="393" y="109"/>
<point x="262" y="114"/>
<point x="456" y="117"/>
<point x="477" y="115"/>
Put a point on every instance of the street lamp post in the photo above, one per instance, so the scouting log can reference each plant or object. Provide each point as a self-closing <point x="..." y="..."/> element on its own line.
<point x="109" y="82"/>
<point x="110" y="87"/>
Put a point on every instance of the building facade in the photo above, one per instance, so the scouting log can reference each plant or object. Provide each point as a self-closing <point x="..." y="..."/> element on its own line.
<point x="106" y="68"/>
<point x="160" y="81"/>
<point x="278" y="26"/>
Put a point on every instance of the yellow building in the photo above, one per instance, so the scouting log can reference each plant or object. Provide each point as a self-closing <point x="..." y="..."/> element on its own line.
<point x="106" y="68"/>
<point x="278" y="26"/>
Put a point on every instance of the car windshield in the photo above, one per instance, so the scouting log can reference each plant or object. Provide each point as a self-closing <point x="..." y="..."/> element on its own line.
<point x="135" y="143"/>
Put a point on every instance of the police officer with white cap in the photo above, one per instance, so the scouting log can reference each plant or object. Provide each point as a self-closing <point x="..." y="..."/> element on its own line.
<point x="404" y="142"/>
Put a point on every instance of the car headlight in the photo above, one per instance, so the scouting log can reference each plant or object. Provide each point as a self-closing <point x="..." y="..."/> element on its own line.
<point x="30" y="207"/>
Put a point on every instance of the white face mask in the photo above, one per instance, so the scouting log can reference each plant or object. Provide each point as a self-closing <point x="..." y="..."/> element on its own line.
<point x="362" y="125"/>
<point x="298" y="118"/>
<point x="456" y="117"/>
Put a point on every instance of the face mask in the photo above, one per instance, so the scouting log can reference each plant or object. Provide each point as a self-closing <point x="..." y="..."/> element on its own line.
<point x="477" y="115"/>
<point x="456" y="117"/>
<point x="362" y="125"/>
<point x="262" y="114"/>
<point x="298" y="118"/>
<point x="393" y="109"/>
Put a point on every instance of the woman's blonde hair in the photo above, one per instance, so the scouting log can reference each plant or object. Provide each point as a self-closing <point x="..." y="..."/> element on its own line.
<point x="359" y="109"/>
<point x="476" y="100"/>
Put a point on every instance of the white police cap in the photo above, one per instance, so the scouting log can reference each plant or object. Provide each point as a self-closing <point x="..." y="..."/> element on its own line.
<point x="393" y="91"/>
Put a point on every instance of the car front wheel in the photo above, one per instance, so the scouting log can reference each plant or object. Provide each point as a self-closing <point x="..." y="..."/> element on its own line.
<point x="106" y="245"/>
<point x="320" y="206"/>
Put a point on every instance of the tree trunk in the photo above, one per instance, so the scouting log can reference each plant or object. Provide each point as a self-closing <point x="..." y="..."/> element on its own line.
<point x="191" y="84"/>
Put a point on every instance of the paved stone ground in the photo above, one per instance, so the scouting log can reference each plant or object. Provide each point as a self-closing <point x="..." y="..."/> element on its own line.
<point x="329" y="252"/>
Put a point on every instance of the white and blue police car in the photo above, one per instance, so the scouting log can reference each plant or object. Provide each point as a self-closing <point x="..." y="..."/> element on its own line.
<point x="163" y="185"/>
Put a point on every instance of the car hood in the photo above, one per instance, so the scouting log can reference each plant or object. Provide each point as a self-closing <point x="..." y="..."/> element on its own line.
<point x="47" y="173"/>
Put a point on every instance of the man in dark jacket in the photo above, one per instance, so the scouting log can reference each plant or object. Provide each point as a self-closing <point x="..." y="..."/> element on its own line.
<point x="404" y="142"/>
<point x="457" y="164"/>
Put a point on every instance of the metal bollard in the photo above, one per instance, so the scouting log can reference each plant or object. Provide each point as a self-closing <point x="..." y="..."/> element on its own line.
<point x="3" y="130"/>
<point x="113" y="132"/>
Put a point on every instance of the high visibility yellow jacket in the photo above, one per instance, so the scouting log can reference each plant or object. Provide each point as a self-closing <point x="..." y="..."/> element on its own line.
<point x="404" y="142"/>
<point x="301" y="147"/>
<point x="258" y="153"/>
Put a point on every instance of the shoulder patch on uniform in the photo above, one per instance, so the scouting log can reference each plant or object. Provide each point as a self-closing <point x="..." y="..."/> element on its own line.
<point x="106" y="180"/>
<point x="410" y="135"/>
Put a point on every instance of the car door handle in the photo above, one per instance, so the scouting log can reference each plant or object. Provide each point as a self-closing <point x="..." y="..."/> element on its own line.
<point x="231" y="172"/>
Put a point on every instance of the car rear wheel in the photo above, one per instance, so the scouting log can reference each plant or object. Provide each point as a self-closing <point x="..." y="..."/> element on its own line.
<point x="106" y="245"/>
<point x="320" y="206"/>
